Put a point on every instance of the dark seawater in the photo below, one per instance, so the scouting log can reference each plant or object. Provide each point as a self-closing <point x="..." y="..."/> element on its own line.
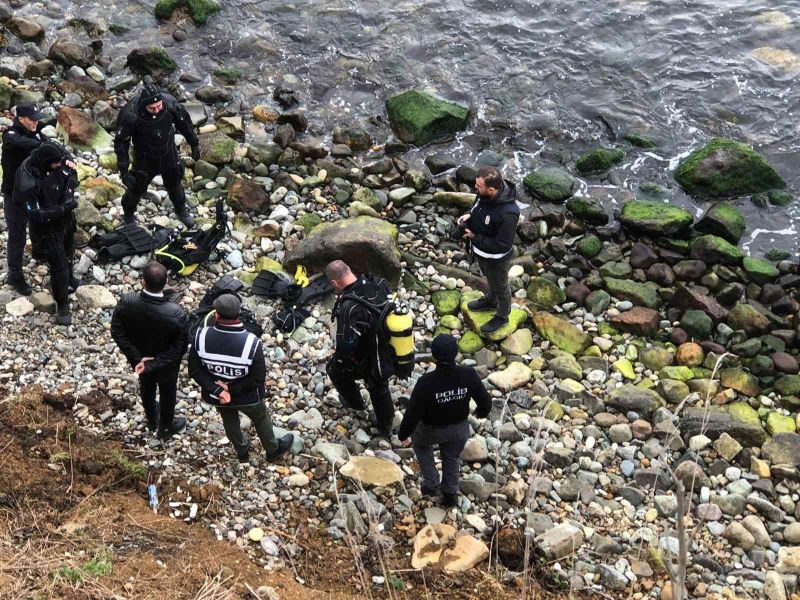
<point x="537" y="74"/>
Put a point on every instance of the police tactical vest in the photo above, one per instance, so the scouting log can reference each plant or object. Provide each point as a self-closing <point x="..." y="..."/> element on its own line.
<point x="226" y="354"/>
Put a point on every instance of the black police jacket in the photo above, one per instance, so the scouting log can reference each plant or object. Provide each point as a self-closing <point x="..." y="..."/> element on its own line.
<point x="147" y="325"/>
<point x="45" y="196"/>
<point x="18" y="143"/>
<point x="494" y="223"/>
<point x="228" y="353"/>
<point x="153" y="136"/>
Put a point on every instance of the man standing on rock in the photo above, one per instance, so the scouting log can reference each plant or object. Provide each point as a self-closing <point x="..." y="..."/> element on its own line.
<point x="356" y="356"/>
<point x="45" y="185"/>
<point x="19" y="140"/>
<point x="491" y="226"/>
<point x="437" y="416"/>
<point x="151" y="333"/>
<point x="150" y="121"/>
<point x="228" y="363"/>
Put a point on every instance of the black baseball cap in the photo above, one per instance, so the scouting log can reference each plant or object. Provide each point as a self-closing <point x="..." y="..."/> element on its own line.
<point x="31" y="111"/>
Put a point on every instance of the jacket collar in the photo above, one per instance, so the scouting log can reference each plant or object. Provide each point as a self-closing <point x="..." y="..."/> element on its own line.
<point x="20" y="128"/>
<point x="151" y="298"/>
<point x="228" y="325"/>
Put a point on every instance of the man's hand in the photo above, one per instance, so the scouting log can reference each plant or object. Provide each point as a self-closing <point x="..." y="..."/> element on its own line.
<point x="406" y="443"/>
<point x="128" y="180"/>
<point x="195" y="152"/>
<point x="139" y="369"/>
<point x="70" y="164"/>
<point x="225" y="397"/>
<point x="70" y="205"/>
<point x="222" y="384"/>
<point x="463" y="219"/>
<point x="468" y="234"/>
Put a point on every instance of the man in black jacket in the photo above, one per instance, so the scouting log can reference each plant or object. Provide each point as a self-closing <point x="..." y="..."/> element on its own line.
<point x="151" y="333"/>
<point x="45" y="185"/>
<point x="150" y="121"/>
<point x="437" y="416"/>
<point x="19" y="140"/>
<point x="228" y="363"/>
<point x="491" y="226"/>
<point x="356" y="356"/>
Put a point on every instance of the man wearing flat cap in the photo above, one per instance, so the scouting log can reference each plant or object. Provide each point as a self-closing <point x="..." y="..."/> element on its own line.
<point x="437" y="416"/>
<point x="228" y="363"/>
<point x="150" y="121"/>
<point x="19" y="140"/>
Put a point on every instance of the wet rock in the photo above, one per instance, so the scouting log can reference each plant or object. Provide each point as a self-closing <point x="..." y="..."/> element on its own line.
<point x="638" y="293"/>
<point x="638" y="320"/>
<point x="246" y="195"/>
<point x="599" y="160"/>
<point x="724" y="220"/>
<point x="355" y="138"/>
<point x="654" y="218"/>
<point x="217" y="148"/>
<point x="739" y="380"/>
<point x="151" y="61"/>
<point x="81" y="131"/>
<point x="25" y="28"/>
<point x="686" y="298"/>
<point x="419" y="118"/>
<point x="759" y="270"/>
<point x="68" y="52"/>
<point x="783" y="449"/>
<point x="737" y="420"/>
<point x="715" y="250"/>
<point x="544" y="293"/>
<point x="588" y="210"/>
<point x="561" y="333"/>
<point x="210" y="94"/>
<point x="744" y="316"/>
<point x="551" y="184"/>
<point x="632" y="398"/>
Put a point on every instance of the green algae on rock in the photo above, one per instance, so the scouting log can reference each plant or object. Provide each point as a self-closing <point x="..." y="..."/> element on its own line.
<point x="561" y="333"/>
<point x="726" y="168"/>
<point x="654" y="218"/>
<point x="588" y="210"/>
<point x="475" y="319"/>
<point x="759" y="270"/>
<point x="419" y="118"/>
<point x="545" y="293"/>
<point x="200" y="10"/>
<point x="599" y="160"/>
<point x="550" y="184"/>
<point x="713" y="250"/>
<point x="638" y="293"/>
<point x="724" y="220"/>
<point x="446" y="302"/>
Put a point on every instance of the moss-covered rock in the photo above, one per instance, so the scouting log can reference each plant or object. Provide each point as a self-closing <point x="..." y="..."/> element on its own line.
<point x="545" y="294"/>
<point x="446" y="302"/>
<point x="747" y="318"/>
<point x="200" y="10"/>
<point x="775" y="254"/>
<point x="726" y="168"/>
<point x="80" y="131"/>
<point x="634" y="398"/>
<point x="265" y="263"/>
<point x="778" y="423"/>
<point x="470" y="343"/>
<point x="656" y="358"/>
<point x="713" y="250"/>
<point x="723" y="219"/>
<point x="228" y="75"/>
<point x="152" y="61"/>
<point x="217" y="148"/>
<point x="654" y="218"/>
<point x="561" y="333"/>
<point x="108" y="161"/>
<point x="759" y="270"/>
<point x="588" y="210"/>
<point x="100" y="191"/>
<point x="640" y="141"/>
<point x="788" y="385"/>
<point x="308" y="221"/>
<point x="625" y="368"/>
<point x="589" y="246"/>
<point x="677" y="373"/>
<point x="367" y="196"/>
<point x="419" y="118"/>
<point x="518" y="343"/>
<point x="739" y="380"/>
<point x="638" y="293"/>
<point x="476" y="319"/>
<point x="599" y="159"/>
<point x="697" y="324"/>
<point x="451" y="322"/>
<point x="744" y="413"/>
<point x="550" y="184"/>
<point x="780" y="198"/>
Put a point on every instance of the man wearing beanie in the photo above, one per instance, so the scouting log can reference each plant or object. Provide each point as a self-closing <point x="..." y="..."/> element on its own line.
<point x="228" y="363"/>
<point x="437" y="416"/>
<point x="149" y="121"/>
<point x="19" y="140"/>
<point x="151" y="333"/>
<point x="45" y="185"/>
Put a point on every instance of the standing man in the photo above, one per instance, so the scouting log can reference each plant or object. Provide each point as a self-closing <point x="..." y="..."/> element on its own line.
<point x="19" y="140"/>
<point x="356" y="355"/>
<point x="150" y="121"/>
<point x="151" y="333"/>
<point x="228" y="363"/>
<point x="45" y="185"/>
<point x="491" y="226"/>
<point x="437" y="416"/>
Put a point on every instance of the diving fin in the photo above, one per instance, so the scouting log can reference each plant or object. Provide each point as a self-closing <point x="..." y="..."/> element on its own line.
<point x="138" y="237"/>
<point x="317" y="287"/>
<point x="270" y="284"/>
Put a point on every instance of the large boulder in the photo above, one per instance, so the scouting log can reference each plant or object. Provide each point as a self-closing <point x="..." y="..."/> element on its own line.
<point x="217" y="148"/>
<point x="70" y="53"/>
<point x="246" y="195"/>
<point x="550" y="184"/>
<point x="366" y="244"/>
<point x="723" y="219"/>
<point x="151" y="61"/>
<point x="654" y="218"/>
<point x="738" y="420"/>
<point x="560" y="332"/>
<point x="599" y="160"/>
<point x="476" y="319"/>
<point x="712" y="250"/>
<point x="80" y="131"/>
<point x="419" y="118"/>
<point x="726" y="168"/>
<point x="589" y="210"/>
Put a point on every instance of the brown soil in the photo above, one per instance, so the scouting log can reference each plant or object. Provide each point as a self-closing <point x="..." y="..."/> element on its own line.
<point x="75" y="523"/>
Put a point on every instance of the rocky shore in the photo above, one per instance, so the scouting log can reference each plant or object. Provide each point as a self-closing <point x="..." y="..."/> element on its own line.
<point x="645" y="346"/>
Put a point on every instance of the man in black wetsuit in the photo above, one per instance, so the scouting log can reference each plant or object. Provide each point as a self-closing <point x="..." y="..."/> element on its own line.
<point x="45" y="185"/>
<point x="19" y="140"/>
<point x="150" y="121"/>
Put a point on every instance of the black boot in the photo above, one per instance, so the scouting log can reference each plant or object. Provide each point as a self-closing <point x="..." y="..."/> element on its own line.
<point x="74" y="284"/>
<point x="483" y="303"/>
<point x="450" y="500"/>
<point x="284" y="444"/>
<point x="20" y="286"/>
<point x="152" y="417"/>
<point x="63" y="315"/>
<point x="129" y="218"/>
<point x="177" y="426"/>
<point x="495" y="323"/>
<point x="184" y="217"/>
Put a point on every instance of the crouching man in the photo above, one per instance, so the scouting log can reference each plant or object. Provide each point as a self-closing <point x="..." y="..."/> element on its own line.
<point x="437" y="416"/>
<point x="228" y="363"/>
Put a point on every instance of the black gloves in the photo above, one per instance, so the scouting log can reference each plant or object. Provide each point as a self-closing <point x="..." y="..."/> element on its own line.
<point x="69" y="205"/>
<point x="195" y="152"/>
<point x="129" y="180"/>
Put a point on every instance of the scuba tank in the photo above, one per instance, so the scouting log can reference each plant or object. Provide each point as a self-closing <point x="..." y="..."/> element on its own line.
<point x="400" y="325"/>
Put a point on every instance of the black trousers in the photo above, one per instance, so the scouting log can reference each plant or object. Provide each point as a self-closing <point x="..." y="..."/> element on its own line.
<point x="56" y="246"/>
<point x="144" y="168"/>
<point x="451" y="440"/>
<point x="496" y="273"/>
<point x="165" y="382"/>
<point x="17" y="225"/>
<point x="350" y="395"/>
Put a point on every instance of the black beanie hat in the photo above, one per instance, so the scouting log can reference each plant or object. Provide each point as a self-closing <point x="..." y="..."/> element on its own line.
<point x="46" y="154"/>
<point x="150" y="94"/>
<point x="444" y="348"/>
